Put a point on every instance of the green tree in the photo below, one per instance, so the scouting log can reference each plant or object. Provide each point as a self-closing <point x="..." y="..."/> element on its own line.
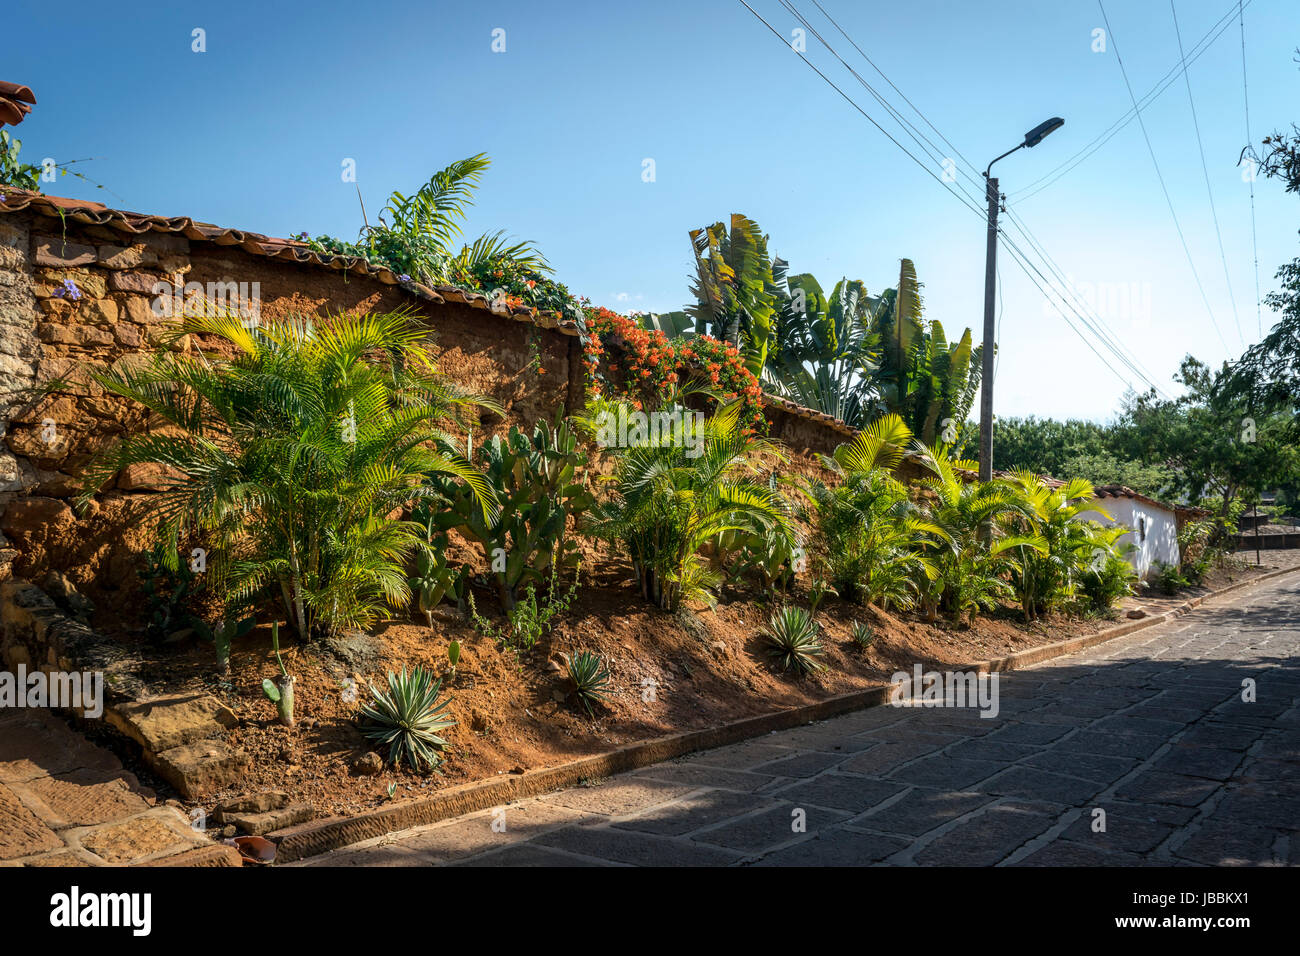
<point x="1216" y="445"/>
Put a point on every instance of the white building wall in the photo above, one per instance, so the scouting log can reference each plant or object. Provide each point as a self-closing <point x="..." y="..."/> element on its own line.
<point x="1159" y="543"/>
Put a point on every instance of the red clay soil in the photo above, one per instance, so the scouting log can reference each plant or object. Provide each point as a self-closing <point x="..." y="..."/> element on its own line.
<point x="515" y="713"/>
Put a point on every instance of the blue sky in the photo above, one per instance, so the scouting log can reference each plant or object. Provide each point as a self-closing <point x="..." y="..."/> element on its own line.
<point x="252" y="134"/>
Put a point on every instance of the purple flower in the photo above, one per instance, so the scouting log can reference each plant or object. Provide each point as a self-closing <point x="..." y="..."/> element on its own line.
<point x="68" y="291"/>
<point x="403" y="278"/>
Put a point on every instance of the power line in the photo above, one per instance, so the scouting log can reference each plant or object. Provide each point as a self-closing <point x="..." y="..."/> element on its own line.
<point x="960" y="197"/>
<point x="923" y="142"/>
<point x="914" y="107"/>
<point x="1105" y="337"/>
<point x="1103" y="331"/>
<point x="1160" y="176"/>
<point x="1119" y="354"/>
<point x="1016" y="258"/>
<point x="1245" y="94"/>
<point x="1047" y="179"/>
<point x="1200" y="145"/>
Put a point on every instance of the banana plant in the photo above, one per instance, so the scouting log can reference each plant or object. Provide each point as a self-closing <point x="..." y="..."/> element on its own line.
<point x="736" y="292"/>
<point x="928" y="380"/>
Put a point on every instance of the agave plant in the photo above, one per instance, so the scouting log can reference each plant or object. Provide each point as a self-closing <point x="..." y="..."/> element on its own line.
<point x="793" y="642"/>
<point x="292" y="455"/>
<point x="862" y="634"/>
<point x="407" y="719"/>
<point x="590" y="678"/>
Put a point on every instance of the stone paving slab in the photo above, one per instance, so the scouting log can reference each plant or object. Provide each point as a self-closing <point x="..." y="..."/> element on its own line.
<point x="1137" y="752"/>
<point x="67" y="802"/>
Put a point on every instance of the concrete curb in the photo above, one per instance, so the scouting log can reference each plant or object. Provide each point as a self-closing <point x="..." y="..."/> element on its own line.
<point x="320" y="836"/>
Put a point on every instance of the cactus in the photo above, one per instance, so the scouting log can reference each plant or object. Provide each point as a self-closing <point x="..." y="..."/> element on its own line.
<point x="539" y="482"/>
<point x="453" y="656"/>
<point x="434" y="579"/>
<point x="280" y="690"/>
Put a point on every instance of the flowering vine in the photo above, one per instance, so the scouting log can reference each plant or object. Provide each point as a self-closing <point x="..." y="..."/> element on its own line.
<point x="649" y="368"/>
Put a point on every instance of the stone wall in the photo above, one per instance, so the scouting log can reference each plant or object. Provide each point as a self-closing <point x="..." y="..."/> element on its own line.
<point x="46" y="335"/>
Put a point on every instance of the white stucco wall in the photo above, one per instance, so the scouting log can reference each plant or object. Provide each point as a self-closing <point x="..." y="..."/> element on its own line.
<point x="1159" y="545"/>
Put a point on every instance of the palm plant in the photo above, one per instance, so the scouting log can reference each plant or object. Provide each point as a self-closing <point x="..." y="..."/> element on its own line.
<point x="1074" y="545"/>
<point x="871" y="539"/>
<point x="407" y="718"/>
<point x="971" y="554"/>
<point x="416" y="234"/>
<point x="669" y="502"/>
<point x="292" y="456"/>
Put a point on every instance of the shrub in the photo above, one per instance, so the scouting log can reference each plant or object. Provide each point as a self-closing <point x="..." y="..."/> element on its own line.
<point x="530" y="619"/>
<point x="669" y="502"/>
<point x="590" y="678"/>
<point x="656" y="370"/>
<point x="1105" y="583"/>
<point x="291" y="456"/>
<point x="407" y="717"/>
<point x="1169" y="578"/>
<point x="792" y="640"/>
<point x="539" y="484"/>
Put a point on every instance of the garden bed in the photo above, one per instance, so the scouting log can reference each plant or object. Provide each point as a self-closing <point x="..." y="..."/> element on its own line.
<point x="669" y="674"/>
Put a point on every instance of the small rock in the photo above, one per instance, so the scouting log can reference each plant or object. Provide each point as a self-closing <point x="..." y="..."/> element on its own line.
<point x="228" y="831"/>
<point x="719" y="648"/>
<point x="368" y="765"/>
<point x="552" y="667"/>
<point x="255" y="824"/>
<point x="1137" y="613"/>
<point x="254" y="803"/>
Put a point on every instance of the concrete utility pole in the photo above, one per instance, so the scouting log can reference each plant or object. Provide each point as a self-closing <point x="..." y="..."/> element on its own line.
<point x="990" y="333"/>
<point x="1032" y="139"/>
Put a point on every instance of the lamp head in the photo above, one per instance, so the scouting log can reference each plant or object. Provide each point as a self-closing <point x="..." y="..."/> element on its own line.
<point x="1036" y="135"/>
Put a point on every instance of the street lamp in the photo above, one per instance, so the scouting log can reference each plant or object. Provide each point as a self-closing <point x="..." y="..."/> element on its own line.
<point x="1032" y="139"/>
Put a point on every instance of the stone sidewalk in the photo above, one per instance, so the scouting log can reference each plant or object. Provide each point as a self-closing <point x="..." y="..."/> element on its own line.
<point x="66" y="802"/>
<point x="1140" y="751"/>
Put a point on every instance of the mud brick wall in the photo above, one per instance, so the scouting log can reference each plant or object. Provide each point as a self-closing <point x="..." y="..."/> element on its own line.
<point x="45" y="442"/>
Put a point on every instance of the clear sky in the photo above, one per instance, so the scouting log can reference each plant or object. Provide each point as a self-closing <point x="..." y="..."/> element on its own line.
<point x="253" y="132"/>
